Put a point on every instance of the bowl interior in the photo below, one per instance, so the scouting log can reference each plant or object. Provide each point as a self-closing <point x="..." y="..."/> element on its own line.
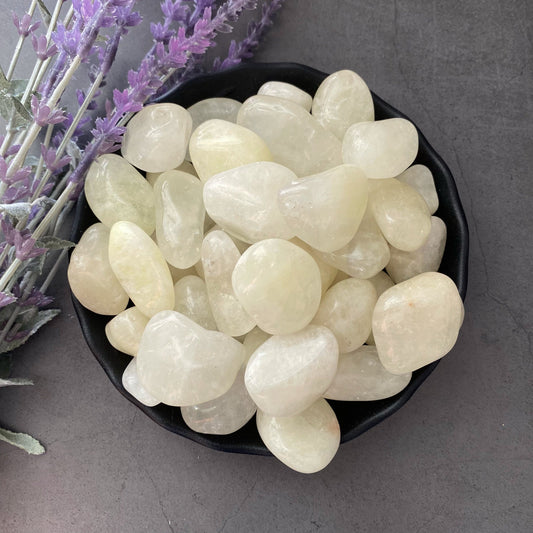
<point x="354" y="417"/>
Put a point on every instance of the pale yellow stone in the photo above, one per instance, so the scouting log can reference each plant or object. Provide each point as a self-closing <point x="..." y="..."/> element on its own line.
<point x="125" y="330"/>
<point x="219" y="257"/>
<point x="218" y="145"/>
<point x="381" y="282"/>
<point x="287" y="373"/>
<point x="401" y="214"/>
<point x="417" y="322"/>
<point x="90" y="275"/>
<point x="186" y="166"/>
<point x="252" y="341"/>
<point x="156" y="137"/>
<point x="346" y="309"/>
<point x="278" y="284"/>
<point x="295" y="138"/>
<point x="181" y="363"/>
<point x="191" y="300"/>
<point x="210" y="108"/>
<point x="140" y="268"/>
<point x="361" y="377"/>
<point x="341" y="100"/>
<point x="306" y="442"/>
<point x="287" y="91"/>
<point x="420" y="178"/>
<point x="130" y="381"/>
<point x="116" y="191"/>
<point x="180" y="213"/>
<point x="381" y="149"/>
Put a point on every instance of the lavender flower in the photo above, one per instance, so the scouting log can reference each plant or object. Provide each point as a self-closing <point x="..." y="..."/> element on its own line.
<point x="40" y="45"/>
<point x="43" y="115"/>
<point x="6" y="299"/>
<point x="24" y="25"/>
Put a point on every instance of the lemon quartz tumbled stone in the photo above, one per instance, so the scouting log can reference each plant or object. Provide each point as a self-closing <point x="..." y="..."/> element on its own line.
<point x="130" y="381"/>
<point x="125" y="330"/>
<point x="287" y="91"/>
<point x="192" y="301"/>
<point x="420" y="178"/>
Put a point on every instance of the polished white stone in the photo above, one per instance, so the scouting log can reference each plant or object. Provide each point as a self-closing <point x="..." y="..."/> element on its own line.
<point x="186" y="166"/>
<point x="130" y="381"/>
<point x="191" y="300"/>
<point x="125" y="330"/>
<point x="420" y="178"/>
<point x="287" y="91"/>
<point x="210" y="108"/>
<point x="381" y="282"/>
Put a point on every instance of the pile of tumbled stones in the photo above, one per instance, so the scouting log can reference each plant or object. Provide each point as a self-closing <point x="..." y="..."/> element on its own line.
<point x="277" y="253"/>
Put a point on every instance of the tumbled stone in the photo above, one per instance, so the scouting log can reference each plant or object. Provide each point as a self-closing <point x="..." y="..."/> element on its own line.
<point x="252" y="341"/>
<point x="156" y="137"/>
<point x="325" y="209"/>
<point x="125" y="330"/>
<point x="223" y="415"/>
<point x="341" y="100"/>
<point x="179" y="273"/>
<point x="294" y="137"/>
<point x="365" y="255"/>
<point x="381" y="282"/>
<point x="130" y="381"/>
<point x="210" y="108"/>
<point x="191" y="300"/>
<point x="346" y="309"/>
<point x="244" y="201"/>
<point x="427" y="258"/>
<point x="116" y="191"/>
<point x="179" y="210"/>
<point x="417" y="322"/>
<point x="182" y="363"/>
<point x="219" y="257"/>
<point x="306" y="442"/>
<point x="140" y="268"/>
<point x="287" y="91"/>
<point x="90" y="275"/>
<point x="287" y="373"/>
<point x="401" y="214"/>
<point x="421" y="179"/>
<point x="278" y="284"/>
<point x="186" y="166"/>
<point x="381" y="149"/>
<point x="361" y="377"/>
<point x="218" y="145"/>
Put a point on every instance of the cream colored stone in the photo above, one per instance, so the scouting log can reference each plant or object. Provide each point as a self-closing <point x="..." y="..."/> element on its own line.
<point x="191" y="300"/>
<point x="218" y="145"/>
<point x="156" y="137"/>
<point x="294" y="137"/>
<point x="381" y="282"/>
<point x="140" y="268"/>
<point x="341" y="100"/>
<point x="361" y="377"/>
<point x="381" y="149"/>
<point x="186" y="166"/>
<point x="125" y="330"/>
<point x="306" y="442"/>
<point x="180" y="213"/>
<point x="116" y="191"/>
<point x="278" y="284"/>
<point x="417" y="322"/>
<point x="210" y="108"/>
<point x="130" y="381"/>
<point x="181" y="363"/>
<point x="287" y="373"/>
<point x="325" y="209"/>
<point x="287" y="91"/>
<point x="420" y="178"/>
<point x="90" y="275"/>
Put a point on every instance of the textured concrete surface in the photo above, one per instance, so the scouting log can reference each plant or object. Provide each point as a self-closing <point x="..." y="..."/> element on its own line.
<point x="458" y="457"/>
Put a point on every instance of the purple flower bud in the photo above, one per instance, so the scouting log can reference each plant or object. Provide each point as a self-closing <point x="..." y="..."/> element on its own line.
<point x="6" y="299"/>
<point x="23" y="25"/>
<point x="49" y="157"/>
<point x="25" y="246"/>
<point x="40" y="45"/>
<point x="43" y="115"/>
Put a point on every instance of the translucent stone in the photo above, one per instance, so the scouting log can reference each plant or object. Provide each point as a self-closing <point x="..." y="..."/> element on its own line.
<point x="223" y="415"/>
<point x="218" y="145"/>
<point x="278" y="284"/>
<point x="186" y="166"/>
<point x="90" y="275"/>
<point x="219" y="257"/>
<point x="381" y="149"/>
<point x="130" y="381"/>
<point x="287" y="91"/>
<point x="381" y="282"/>
<point x="417" y="322"/>
<point x="346" y="309"/>
<point x="421" y="179"/>
<point x="427" y="258"/>
<point x="116" y="191"/>
<point x="252" y="341"/>
<point x="244" y="201"/>
<point x="294" y="137"/>
<point x="210" y="108"/>
<point x="140" y="268"/>
<point x="361" y="377"/>
<point x="287" y="373"/>
<point x="325" y="209"/>
<point x="401" y="214"/>
<point x="156" y="137"/>
<point x="341" y="100"/>
<point x="181" y="363"/>
<point x="125" y="330"/>
<point x="306" y="442"/>
<point x="191" y="300"/>
<point x="365" y="255"/>
<point x="179" y="209"/>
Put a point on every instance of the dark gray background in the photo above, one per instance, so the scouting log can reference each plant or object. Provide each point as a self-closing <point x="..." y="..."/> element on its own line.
<point x="458" y="456"/>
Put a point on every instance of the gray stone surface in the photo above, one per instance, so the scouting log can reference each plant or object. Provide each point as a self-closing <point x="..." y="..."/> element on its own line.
<point x="458" y="457"/>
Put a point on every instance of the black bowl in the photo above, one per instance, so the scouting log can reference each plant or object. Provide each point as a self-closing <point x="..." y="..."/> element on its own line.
<point x="354" y="417"/>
